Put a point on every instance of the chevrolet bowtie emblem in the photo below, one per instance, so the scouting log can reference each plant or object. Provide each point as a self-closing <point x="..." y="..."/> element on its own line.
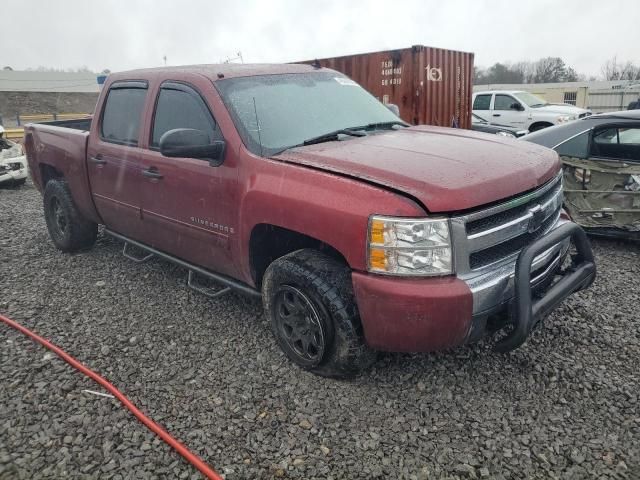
<point x="537" y="218"/>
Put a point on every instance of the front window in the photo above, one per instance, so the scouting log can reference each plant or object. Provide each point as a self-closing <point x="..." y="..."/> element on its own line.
<point x="504" y="102"/>
<point x="276" y="112"/>
<point x="530" y="99"/>
<point x="181" y="107"/>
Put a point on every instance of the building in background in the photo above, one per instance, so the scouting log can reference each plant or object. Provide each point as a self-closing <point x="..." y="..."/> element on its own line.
<point x="28" y="93"/>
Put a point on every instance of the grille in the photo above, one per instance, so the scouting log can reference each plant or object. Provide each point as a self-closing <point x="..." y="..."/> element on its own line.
<point x="496" y="253"/>
<point x="499" y="232"/>
<point x="505" y="216"/>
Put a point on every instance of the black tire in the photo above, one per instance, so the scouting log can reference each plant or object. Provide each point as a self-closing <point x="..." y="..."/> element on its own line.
<point x="19" y="183"/>
<point x="308" y="295"/>
<point x="68" y="229"/>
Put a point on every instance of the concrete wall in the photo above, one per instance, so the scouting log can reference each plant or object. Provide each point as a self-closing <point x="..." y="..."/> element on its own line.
<point x="29" y="103"/>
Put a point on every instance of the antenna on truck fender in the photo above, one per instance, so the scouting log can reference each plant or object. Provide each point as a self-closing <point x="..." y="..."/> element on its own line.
<point x="255" y="111"/>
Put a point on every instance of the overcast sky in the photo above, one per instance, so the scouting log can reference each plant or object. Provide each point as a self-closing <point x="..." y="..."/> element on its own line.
<point x="121" y="35"/>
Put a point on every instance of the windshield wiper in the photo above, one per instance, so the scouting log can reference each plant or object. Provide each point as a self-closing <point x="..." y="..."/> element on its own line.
<point x="332" y="136"/>
<point x="353" y="131"/>
<point x="380" y="125"/>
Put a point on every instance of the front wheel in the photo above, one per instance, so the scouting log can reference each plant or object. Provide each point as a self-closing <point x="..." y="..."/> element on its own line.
<point x="539" y="126"/>
<point x="68" y="229"/>
<point x="309" y="300"/>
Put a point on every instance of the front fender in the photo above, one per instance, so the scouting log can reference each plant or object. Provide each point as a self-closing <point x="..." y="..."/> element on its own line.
<point x="328" y="207"/>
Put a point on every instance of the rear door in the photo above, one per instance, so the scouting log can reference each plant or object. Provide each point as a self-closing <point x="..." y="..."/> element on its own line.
<point x="114" y="158"/>
<point x="602" y="176"/>
<point x="189" y="206"/>
<point x="482" y="106"/>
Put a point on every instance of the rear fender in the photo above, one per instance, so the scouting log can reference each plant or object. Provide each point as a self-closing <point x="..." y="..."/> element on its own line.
<point x="63" y="150"/>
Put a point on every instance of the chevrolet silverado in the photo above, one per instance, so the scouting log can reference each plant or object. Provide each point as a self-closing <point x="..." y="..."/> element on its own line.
<point x="293" y="184"/>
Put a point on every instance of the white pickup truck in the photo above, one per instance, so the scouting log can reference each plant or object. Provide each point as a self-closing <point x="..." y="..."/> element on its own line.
<point x="523" y="110"/>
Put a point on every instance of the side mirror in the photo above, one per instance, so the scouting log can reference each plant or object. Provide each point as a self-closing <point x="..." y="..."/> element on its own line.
<point x="516" y="106"/>
<point x="191" y="143"/>
<point x="394" y="109"/>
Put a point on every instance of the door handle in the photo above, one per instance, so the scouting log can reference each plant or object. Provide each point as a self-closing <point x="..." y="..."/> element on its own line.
<point x="98" y="160"/>
<point x="152" y="172"/>
<point x="496" y="114"/>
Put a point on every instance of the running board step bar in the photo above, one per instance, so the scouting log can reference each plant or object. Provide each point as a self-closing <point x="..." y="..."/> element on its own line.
<point x="228" y="282"/>
<point x="132" y="257"/>
<point x="206" y="291"/>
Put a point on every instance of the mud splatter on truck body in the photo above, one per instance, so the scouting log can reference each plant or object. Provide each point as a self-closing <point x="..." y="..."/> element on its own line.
<point x="431" y="86"/>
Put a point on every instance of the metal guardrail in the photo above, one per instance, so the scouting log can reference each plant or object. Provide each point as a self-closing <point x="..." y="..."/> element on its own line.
<point x="14" y="133"/>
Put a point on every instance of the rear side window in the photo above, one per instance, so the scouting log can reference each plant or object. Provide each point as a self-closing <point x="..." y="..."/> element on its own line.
<point x="122" y="114"/>
<point x="577" y="146"/>
<point x="482" y="102"/>
<point x="181" y="107"/>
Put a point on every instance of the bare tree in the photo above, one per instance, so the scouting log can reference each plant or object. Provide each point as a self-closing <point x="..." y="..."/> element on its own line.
<point x="610" y="70"/>
<point x="527" y="70"/>
<point x="630" y="71"/>
<point x="550" y="69"/>
<point x="614" y="70"/>
<point x="553" y="69"/>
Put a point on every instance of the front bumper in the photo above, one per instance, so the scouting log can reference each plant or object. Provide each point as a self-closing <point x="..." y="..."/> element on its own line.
<point x="427" y="314"/>
<point x="13" y="169"/>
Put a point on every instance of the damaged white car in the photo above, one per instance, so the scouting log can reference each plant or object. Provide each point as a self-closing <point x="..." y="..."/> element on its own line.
<point x="13" y="162"/>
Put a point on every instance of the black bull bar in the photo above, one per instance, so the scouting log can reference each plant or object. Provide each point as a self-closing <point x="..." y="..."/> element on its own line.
<point x="525" y="312"/>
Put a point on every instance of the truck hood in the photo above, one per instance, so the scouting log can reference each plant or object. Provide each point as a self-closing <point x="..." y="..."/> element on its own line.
<point x="560" y="109"/>
<point x="445" y="169"/>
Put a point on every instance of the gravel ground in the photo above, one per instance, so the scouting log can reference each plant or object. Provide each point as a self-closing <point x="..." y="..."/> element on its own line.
<point x="563" y="406"/>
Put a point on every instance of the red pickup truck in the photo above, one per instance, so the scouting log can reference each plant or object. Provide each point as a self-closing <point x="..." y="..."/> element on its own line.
<point x="291" y="182"/>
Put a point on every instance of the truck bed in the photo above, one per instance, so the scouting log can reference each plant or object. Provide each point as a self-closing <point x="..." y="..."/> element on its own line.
<point x="59" y="149"/>
<point x="83" y="124"/>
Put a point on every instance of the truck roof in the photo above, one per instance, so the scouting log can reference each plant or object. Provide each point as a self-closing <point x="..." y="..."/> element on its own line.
<point x="221" y="71"/>
<point x="485" y="92"/>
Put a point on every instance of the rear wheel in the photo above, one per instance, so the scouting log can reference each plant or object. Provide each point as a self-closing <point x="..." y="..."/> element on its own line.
<point x="68" y="229"/>
<point x="309" y="300"/>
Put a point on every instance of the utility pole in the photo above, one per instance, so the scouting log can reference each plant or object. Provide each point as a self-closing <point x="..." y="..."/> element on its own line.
<point x="165" y="60"/>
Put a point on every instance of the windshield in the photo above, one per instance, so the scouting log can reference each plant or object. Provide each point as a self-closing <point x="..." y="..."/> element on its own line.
<point x="530" y="99"/>
<point x="289" y="109"/>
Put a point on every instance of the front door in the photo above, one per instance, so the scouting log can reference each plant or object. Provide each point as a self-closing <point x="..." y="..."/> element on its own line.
<point x="188" y="206"/>
<point x="114" y="158"/>
<point x="504" y="112"/>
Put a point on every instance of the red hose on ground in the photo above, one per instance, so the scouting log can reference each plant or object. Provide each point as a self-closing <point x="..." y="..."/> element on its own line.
<point x="192" y="458"/>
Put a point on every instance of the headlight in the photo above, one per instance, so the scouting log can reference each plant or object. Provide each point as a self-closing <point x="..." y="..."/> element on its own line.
<point x="504" y="133"/>
<point x="565" y="118"/>
<point x="409" y="246"/>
